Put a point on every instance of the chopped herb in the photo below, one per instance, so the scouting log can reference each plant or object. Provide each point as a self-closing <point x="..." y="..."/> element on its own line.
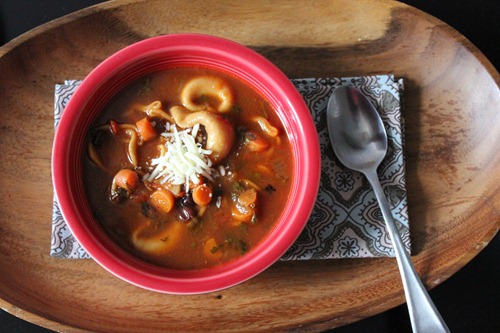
<point x="240" y="132"/>
<point x="121" y="192"/>
<point x="146" y="87"/>
<point x="215" y="249"/>
<point x="119" y="195"/>
<point x="148" y="210"/>
<point x="160" y="224"/>
<point x="249" y="136"/>
<point x="269" y="189"/>
<point x="242" y="247"/>
<point x="238" y="187"/>
<point x="237" y="109"/>
<point x="229" y="240"/>
<point x="244" y="227"/>
<point x="195" y="222"/>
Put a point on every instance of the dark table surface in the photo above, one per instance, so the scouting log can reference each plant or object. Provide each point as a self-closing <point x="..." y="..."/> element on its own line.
<point x="470" y="300"/>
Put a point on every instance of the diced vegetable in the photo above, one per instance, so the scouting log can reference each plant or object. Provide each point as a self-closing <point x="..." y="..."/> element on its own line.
<point x="241" y="213"/>
<point x="255" y="142"/>
<point x="211" y="249"/>
<point x="146" y="129"/>
<point x="248" y="197"/>
<point x="202" y="195"/>
<point x="162" y="200"/>
<point x="127" y="179"/>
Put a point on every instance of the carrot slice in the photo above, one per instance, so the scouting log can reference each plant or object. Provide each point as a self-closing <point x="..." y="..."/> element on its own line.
<point x="146" y="129"/>
<point x="248" y="197"/>
<point x="162" y="200"/>
<point x="243" y="214"/>
<point x="202" y="195"/>
<point x="127" y="179"/>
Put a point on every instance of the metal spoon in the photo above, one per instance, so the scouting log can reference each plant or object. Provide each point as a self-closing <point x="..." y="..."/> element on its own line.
<point x="359" y="140"/>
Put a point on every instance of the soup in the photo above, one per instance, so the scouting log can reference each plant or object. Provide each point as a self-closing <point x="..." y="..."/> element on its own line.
<point x="188" y="168"/>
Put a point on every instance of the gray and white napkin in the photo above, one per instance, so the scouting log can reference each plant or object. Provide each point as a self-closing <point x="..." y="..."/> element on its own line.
<point x="346" y="221"/>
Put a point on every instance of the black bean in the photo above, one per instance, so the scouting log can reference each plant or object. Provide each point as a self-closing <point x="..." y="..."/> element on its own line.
<point x="118" y="196"/>
<point x="99" y="137"/>
<point x="187" y="208"/>
<point x="160" y="124"/>
<point x="187" y="201"/>
<point x="270" y="188"/>
<point x="218" y="191"/>
<point x="186" y="214"/>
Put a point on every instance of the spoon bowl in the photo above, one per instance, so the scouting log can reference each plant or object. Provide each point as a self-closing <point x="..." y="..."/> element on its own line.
<point x="356" y="128"/>
<point x="359" y="140"/>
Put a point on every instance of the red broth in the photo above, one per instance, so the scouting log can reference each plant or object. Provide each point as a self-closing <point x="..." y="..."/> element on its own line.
<point x="188" y="219"/>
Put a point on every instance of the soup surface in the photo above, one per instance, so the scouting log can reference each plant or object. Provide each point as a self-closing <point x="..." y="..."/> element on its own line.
<point x="188" y="168"/>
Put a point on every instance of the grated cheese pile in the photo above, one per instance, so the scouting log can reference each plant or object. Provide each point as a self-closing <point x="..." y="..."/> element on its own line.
<point x="184" y="161"/>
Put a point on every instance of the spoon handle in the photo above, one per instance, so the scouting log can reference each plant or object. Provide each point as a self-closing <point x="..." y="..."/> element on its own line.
<point x="424" y="316"/>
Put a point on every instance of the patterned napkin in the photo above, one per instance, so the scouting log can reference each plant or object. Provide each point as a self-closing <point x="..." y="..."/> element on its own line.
<point x="346" y="221"/>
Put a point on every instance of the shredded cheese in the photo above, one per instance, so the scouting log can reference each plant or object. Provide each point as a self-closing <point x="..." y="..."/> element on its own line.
<point x="184" y="160"/>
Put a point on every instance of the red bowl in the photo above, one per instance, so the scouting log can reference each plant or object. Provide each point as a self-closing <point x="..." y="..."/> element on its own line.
<point x="156" y="54"/>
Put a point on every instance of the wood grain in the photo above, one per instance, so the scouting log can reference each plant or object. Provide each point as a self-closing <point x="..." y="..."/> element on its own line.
<point x="451" y="108"/>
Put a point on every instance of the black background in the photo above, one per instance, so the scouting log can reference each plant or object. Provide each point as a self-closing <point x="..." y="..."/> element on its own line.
<point x="469" y="301"/>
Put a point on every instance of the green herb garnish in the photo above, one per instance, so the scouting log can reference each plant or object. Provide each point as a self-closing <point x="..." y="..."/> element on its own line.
<point x="242" y="247"/>
<point x="237" y="109"/>
<point x="146" y="87"/>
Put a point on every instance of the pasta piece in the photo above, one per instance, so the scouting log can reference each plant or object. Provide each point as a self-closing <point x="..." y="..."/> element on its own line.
<point x="250" y="184"/>
<point x="266" y="127"/>
<point x="162" y="149"/>
<point x="220" y="133"/>
<point x="261" y="168"/>
<point x="94" y="157"/>
<point x="193" y="93"/>
<point x="161" y="242"/>
<point x="155" y="109"/>
<point x="132" y="146"/>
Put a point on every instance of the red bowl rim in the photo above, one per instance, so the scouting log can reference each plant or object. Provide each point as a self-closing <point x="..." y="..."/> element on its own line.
<point x="225" y="55"/>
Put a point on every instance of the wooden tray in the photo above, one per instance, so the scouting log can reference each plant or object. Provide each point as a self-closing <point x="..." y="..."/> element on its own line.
<point x="452" y="100"/>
